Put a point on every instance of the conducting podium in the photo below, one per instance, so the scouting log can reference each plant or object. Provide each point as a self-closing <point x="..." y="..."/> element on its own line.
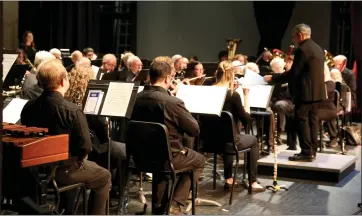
<point x="111" y="100"/>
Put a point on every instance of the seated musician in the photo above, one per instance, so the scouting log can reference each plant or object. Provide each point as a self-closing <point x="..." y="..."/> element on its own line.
<point x="60" y="116"/>
<point x="89" y="53"/>
<point x="57" y="53"/>
<point x="124" y="58"/>
<point x="281" y="103"/>
<point x="265" y="59"/>
<point x="185" y="62"/>
<point x="194" y="69"/>
<point x="243" y="59"/>
<point x="327" y="111"/>
<point x="340" y="62"/>
<point x="336" y="75"/>
<point x="75" y="56"/>
<point x="78" y="79"/>
<point x="155" y="99"/>
<point x="133" y="67"/>
<point x="31" y="89"/>
<point x="109" y="62"/>
<point x="178" y="65"/>
<point x="238" y="68"/>
<point x="233" y="104"/>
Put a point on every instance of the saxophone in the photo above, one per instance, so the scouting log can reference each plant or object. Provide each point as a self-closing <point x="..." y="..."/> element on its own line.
<point x="232" y="45"/>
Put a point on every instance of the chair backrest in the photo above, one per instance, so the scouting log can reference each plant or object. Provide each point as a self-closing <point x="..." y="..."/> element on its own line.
<point x="343" y="89"/>
<point x="148" y="146"/>
<point x="336" y="99"/>
<point x="216" y="131"/>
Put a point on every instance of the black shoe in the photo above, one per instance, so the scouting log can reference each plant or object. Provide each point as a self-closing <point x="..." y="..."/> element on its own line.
<point x="302" y="157"/>
<point x="293" y="148"/>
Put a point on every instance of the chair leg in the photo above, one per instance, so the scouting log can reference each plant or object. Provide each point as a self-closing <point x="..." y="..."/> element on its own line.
<point x="193" y="192"/>
<point x="173" y="185"/>
<point x="320" y="137"/>
<point x="85" y="201"/>
<point x="249" y="171"/>
<point x="234" y="178"/>
<point x="214" y="172"/>
<point x="80" y="192"/>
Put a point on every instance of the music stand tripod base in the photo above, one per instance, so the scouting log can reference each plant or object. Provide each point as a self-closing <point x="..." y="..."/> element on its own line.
<point x="275" y="187"/>
<point x="199" y="201"/>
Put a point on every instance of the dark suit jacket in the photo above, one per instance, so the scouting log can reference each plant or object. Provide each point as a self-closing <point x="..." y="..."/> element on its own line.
<point x="306" y="77"/>
<point x="123" y="75"/>
<point x="350" y="80"/>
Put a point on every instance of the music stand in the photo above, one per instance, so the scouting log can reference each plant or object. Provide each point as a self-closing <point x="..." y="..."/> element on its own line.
<point x="202" y="100"/>
<point x="97" y="62"/>
<point x="110" y="99"/>
<point x="15" y="76"/>
<point x="141" y="76"/>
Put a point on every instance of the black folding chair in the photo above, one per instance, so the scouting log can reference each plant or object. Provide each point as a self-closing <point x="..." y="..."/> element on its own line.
<point x="148" y="147"/>
<point x="217" y="132"/>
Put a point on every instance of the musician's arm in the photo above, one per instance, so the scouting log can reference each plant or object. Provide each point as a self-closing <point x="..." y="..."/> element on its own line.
<point x="80" y="133"/>
<point x="299" y="61"/>
<point x="243" y="116"/>
<point x="185" y="120"/>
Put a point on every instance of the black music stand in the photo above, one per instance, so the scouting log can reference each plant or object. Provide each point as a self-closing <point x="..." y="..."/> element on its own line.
<point x="141" y="76"/>
<point x="111" y="100"/>
<point x="202" y="100"/>
<point x="15" y="76"/>
<point x="97" y="62"/>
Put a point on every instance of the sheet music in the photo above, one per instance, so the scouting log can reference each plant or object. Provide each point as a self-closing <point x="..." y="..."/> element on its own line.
<point x="94" y="101"/>
<point x="117" y="99"/>
<point x="140" y="88"/>
<point x="8" y="61"/>
<point x="95" y="70"/>
<point x="259" y="96"/>
<point x="252" y="78"/>
<point x="203" y="99"/>
<point x="11" y="113"/>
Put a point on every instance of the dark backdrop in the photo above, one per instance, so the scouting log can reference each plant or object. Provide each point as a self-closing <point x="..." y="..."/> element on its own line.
<point x="356" y="18"/>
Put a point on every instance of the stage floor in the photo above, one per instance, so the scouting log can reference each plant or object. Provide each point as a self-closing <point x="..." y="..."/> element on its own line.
<point x="304" y="197"/>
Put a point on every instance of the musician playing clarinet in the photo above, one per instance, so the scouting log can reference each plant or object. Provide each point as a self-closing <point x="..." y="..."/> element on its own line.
<point x="306" y="85"/>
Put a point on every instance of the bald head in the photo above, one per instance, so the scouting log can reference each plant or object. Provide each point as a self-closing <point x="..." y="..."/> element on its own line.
<point x="109" y="62"/>
<point x="76" y="55"/>
<point x="340" y="62"/>
<point x="84" y="61"/>
<point x="52" y="76"/>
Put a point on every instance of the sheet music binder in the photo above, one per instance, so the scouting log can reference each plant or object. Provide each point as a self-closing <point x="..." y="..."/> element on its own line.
<point x="102" y="88"/>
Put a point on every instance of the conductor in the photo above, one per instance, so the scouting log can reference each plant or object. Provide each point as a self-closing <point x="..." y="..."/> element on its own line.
<point x="306" y="85"/>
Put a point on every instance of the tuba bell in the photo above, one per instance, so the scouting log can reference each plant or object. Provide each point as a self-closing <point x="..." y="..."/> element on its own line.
<point x="328" y="58"/>
<point x="232" y="45"/>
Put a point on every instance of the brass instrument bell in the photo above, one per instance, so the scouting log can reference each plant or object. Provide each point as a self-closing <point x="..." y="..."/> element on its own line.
<point x="232" y="45"/>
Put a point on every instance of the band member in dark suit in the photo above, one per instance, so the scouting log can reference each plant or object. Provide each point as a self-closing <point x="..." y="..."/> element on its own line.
<point x="109" y="62"/>
<point x="133" y="67"/>
<point x="306" y="85"/>
<point x="152" y="101"/>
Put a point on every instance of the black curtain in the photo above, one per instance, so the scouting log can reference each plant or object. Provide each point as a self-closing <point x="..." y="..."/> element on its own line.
<point x="356" y="18"/>
<point x="272" y="19"/>
<point x="73" y="25"/>
<point x="1" y="99"/>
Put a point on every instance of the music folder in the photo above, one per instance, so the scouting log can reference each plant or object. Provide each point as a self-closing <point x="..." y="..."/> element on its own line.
<point x="9" y="57"/>
<point x="110" y="99"/>
<point x="12" y="111"/>
<point x="141" y="76"/>
<point x="15" y="75"/>
<point x="207" y="100"/>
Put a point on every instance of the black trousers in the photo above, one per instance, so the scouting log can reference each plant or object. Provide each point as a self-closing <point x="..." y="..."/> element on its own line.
<point x="191" y="159"/>
<point x="244" y="140"/>
<point x="96" y="178"/>
<point x="306" y="115"/>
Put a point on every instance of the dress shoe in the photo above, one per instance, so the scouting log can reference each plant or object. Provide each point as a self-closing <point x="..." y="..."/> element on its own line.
<point x="176" y="211"/>
<point x="293" y="148"/>
<point x="302" y="157"/>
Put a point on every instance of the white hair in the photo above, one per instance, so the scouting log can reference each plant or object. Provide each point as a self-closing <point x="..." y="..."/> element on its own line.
<point x="176" y="57"/>
<point x="42" y="56"/>
<point x="76" y="52"/>
<point x="236" y="63"/>
<point x="55" y="51"/>
<point x="302" y="28"/>
<point x="84" y="61"/>
<point x="336" y="75"/>
<point x="186" y="61"/>
<point x="252" y="66"/>
<point x="131" y="60"/>
<point x="109" y="57"/>
<point x="340" y="58"/>
<point x="278" y="63"/>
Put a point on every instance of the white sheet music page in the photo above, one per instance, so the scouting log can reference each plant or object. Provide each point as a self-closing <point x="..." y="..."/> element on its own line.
<point x="11" y="113"/>
<point x="349" y="102"/>
<point x="95" y="70"/>
<point x="259" y="96"/>
<point x="140" y="88"/>
<point x="252" y="78"/>
<point x="203" y="99"/>
<point x="8" y="61"/>
<point x="94" y="101"/>
<point x="117" y="99"/>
